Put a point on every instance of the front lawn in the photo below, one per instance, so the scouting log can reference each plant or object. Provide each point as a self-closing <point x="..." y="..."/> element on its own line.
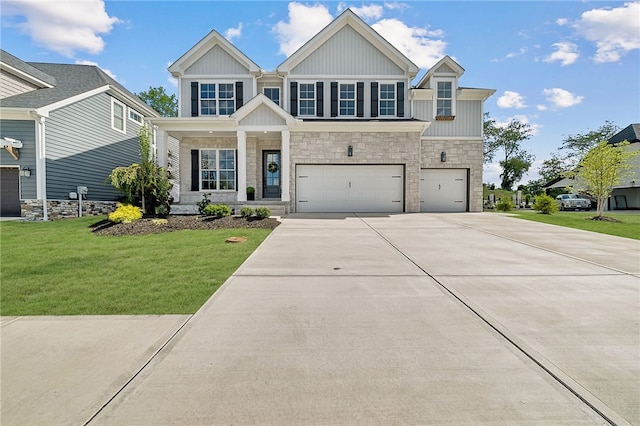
<point x="628" y="227"/>
<point x="61" y="268"/>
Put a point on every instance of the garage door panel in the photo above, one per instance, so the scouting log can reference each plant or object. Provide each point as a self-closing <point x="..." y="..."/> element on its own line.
<point x="443" y="190"/>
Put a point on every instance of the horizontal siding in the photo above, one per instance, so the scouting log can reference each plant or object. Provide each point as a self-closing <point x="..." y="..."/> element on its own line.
<point x="262" y="116"/>
<point x="185" y="105"/>
<point x="11" y="85"/>
<point x="468" y="121"/>
<point x="82" y="148"/>
<point x="216" y="62"/>
<point x="347" y="53"/>
<point x="25" y="132"/>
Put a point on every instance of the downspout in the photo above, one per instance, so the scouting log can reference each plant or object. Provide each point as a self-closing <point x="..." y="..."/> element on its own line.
<point x="41" y="163"/>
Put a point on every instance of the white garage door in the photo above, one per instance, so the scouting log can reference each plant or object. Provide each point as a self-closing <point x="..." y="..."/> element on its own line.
<point x="350" y="188"/>
<point x="443" y="190"/>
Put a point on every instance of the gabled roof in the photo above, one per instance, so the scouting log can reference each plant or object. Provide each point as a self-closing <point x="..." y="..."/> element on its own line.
<point x="354" y="21"/>
<point x="630" y="133"/>
<point x="203" y="46"/>
<point x="452" y="68"/>
<point x="255" y="102"/>
<point x="25" y="71"/>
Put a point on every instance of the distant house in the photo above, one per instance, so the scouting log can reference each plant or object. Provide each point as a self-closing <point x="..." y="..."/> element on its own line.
<point x="336" y="127"/>
<point x="627" y="194"/>
<point x="62" y="126"/>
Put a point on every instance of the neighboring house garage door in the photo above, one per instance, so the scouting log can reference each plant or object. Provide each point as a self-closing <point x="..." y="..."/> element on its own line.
<point x="443" y="190"/>
<point x="9" y="192"/>
<point x="350" y="188"/>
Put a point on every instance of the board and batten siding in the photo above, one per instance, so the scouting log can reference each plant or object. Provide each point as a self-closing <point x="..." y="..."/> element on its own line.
<point x="82" y="148"/>
<point x="347" y="53"/>
<point x="467" y="123"/>
<point x="217" y="62"/>
<point x="185" y="87"/>
<point x="25" y="132"/>
<point x="262" y="116"/>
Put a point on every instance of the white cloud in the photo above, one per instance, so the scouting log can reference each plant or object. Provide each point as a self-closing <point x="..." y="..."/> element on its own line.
<point x="62" y="26"/>
<point x="541" y="107"/>
<point x="614" y="31"/>
<point x="566" y="53"/>
<point x="366" y="12"/>
<point x="304" y="23"/>
<point x="418" y="44"/>
<point x="171" y="79"/>
<point x="85" y="62"/>
<point x="510" y="55"/>
<point x="396" y="6"/>
<point x="562" y="21"/>
<point x="561" y="98"/>
<point x="232" y="33"/>
<point x="511" y="100"/>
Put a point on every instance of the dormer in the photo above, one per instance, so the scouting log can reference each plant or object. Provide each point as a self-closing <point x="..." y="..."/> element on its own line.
<point x="440" y="85"/>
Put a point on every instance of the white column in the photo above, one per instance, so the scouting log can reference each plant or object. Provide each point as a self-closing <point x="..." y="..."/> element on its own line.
<point x="41" y="165"/>
<point x="160" y="146"/>
<point x="285" y="166"/>
<point x="242" y="166"/>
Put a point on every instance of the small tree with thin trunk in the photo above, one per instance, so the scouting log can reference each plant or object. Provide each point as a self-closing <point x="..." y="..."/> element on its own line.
<point x="601" y="169"/>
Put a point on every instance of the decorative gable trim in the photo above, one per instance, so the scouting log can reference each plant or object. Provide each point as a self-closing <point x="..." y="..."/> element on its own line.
<point x="445" y="67"/>
<point x="257" y="101"/>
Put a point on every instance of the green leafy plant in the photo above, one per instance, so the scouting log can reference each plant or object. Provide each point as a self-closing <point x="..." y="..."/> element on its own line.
<point x="125" y="213"/>
<point x="217" y="210"/>
<point x="545" y="204"/>
<point x="262" y="212"/>
<point x="505" y="205"/>
<point x="202" y="204"/>
<point x="246" y="212"/>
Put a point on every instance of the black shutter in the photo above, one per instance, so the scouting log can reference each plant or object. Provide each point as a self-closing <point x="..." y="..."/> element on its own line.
<point x="320" y="99"/>
<point x="195" y="170"/>
<point x="360" y="99"/>
<point x="293" y="97"/>
<point x="239" y="95"/>
<point x="194" y="98"/>
<point x="400" y="98"/>
<point x="334" y="98"/>
<point x="374" y="99"/>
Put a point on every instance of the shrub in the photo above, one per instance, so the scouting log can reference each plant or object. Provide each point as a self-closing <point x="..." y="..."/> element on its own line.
<point x="217" y="210"/>
<point x="125" y="213"/>
<point x="246" y="212"/>
<point x="262" y="212"/>
<point x="202" y="204"/>
<point x="505" y="205"/>
<point x="545" y="204"/>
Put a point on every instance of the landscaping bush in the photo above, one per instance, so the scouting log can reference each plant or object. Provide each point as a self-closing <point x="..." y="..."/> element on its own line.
<point x="262" y="212"/>
<point x="246" y="212"/>
<point x="505" y="205"/>
<point x="125" y="213"/>
<point x="202" y="204"/>
<point x="217" y="210"/>
<point x="545" y="204"/>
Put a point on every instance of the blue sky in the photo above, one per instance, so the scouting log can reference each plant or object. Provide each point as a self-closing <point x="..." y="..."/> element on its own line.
<point x="564" y="67"/>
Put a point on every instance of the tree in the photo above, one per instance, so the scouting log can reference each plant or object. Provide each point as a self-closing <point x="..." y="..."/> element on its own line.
<point x="601" y="169"/>
<point x="552" y="168"/>
<point x="575" y="147"/>
<point x="158" y="99"/>
<point x="516" y="161"/>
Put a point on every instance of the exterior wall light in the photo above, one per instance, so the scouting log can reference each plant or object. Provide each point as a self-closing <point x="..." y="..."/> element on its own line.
<point x="350" y="151"/>
<point x="443" y="156"/>
<point x="26" y="172"/>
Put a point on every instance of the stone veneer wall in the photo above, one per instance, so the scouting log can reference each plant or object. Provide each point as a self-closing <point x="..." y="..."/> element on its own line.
<point x="60" y="209"/>
<point x="464" y="154"/>
<point x="368" y="148"/>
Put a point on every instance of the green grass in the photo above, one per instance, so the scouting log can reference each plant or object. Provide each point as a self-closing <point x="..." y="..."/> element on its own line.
<point x="61" y="268"/>
<point x="628" y="227"/>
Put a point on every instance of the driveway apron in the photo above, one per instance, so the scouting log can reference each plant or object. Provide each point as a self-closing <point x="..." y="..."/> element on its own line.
<point x="407" y="319"/>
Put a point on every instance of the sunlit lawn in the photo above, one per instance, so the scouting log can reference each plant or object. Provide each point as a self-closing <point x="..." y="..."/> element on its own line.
<point x="61" y="268"/>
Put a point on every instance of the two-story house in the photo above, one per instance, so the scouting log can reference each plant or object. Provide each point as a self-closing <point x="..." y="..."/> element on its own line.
<point x="336" y="127"/>
<point x="63" y="126"/>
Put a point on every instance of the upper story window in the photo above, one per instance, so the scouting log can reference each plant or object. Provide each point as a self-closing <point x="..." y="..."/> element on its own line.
<point x="387" y="100"/>
<point x="117" y="116"/>
<point x="217" y="169"/>
<point x="273" y="93"/>
<point x="135" y="116"/>
<point x="444" y="99"/>
<point x="347" y="101"/>
<point x="217" y="99"/>
<point x="307" y="99"/>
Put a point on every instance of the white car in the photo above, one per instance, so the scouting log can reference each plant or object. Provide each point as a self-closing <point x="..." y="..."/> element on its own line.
<point x="573" y="202"/>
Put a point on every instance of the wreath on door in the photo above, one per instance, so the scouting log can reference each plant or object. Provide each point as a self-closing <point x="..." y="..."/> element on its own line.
<point x="273" y="167"/>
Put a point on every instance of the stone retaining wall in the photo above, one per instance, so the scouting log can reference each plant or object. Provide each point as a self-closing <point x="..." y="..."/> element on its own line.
<point x="60" y="209"/>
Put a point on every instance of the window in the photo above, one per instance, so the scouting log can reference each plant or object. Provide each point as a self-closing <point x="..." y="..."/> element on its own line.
<point x="117" y="115"/>
<point x="444" y="100"/>
<point x="387" y="100"/>
<point x="217" y="169"/>
<point x="307" y="99"/>
<point x="347" y="101"/>
<point x="134" y="116"/>
<point x="273" y="93"/>
<point x="217" y="99"/>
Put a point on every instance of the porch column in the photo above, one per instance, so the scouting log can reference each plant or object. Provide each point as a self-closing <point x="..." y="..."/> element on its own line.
<point x="286" y="196"/>
<point x="160" y="147"/>
<point x="242" y="166"/>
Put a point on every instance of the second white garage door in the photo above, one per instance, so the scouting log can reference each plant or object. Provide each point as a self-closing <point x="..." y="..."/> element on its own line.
<point x="350" y="188"/>
<point x="443" y="190"/>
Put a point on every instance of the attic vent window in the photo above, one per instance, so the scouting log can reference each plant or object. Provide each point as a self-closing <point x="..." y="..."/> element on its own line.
<point x="134" y="116"/>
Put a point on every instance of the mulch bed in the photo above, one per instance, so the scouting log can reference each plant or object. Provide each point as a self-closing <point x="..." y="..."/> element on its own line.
<point x="178" y="222"/>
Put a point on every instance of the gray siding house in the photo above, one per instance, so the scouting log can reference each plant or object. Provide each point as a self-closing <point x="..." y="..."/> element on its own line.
<point x="336" y="127"/>
<point x="62" y="126"/>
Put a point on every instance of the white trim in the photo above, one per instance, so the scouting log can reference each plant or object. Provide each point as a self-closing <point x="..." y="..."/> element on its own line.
<point x="454" y="92"/>
<point x="315" y="98"/>
<point x="217" y="169"/>
<point x="25" y="76"/>
<point x="285" y="161"/>
<point x="241" y="166"/>
<point x="355" y="98"/>
<point x="217" y="99"/>
<point x="279" y="94"/>
<point x="41" y="164"/>
<point x="216" y="76"/>
<point x="394" y="84"/>
<point x="347" y="77"/>
<point x="131" y="110"/>
<point x="473" y="94"/>
<point x="124" y="115"/>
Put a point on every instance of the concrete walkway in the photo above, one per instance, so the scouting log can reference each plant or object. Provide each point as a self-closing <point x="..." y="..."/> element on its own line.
<point x="404" y="319"/>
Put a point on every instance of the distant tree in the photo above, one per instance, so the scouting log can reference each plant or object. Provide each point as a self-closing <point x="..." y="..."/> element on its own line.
<point x="552" y="168"/>
<point x="601" y="169"/>
<point x="516" y="161"/>
<point x="575" y="147"/>
<point x="156" y="97"/>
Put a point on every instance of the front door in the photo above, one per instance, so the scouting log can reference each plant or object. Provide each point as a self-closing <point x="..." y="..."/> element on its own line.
<point x="10" y="192"/>
<point x="271" y="174"/>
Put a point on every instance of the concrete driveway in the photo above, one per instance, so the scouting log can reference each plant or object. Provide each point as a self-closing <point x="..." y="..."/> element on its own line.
<point x="405" y="319"/>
